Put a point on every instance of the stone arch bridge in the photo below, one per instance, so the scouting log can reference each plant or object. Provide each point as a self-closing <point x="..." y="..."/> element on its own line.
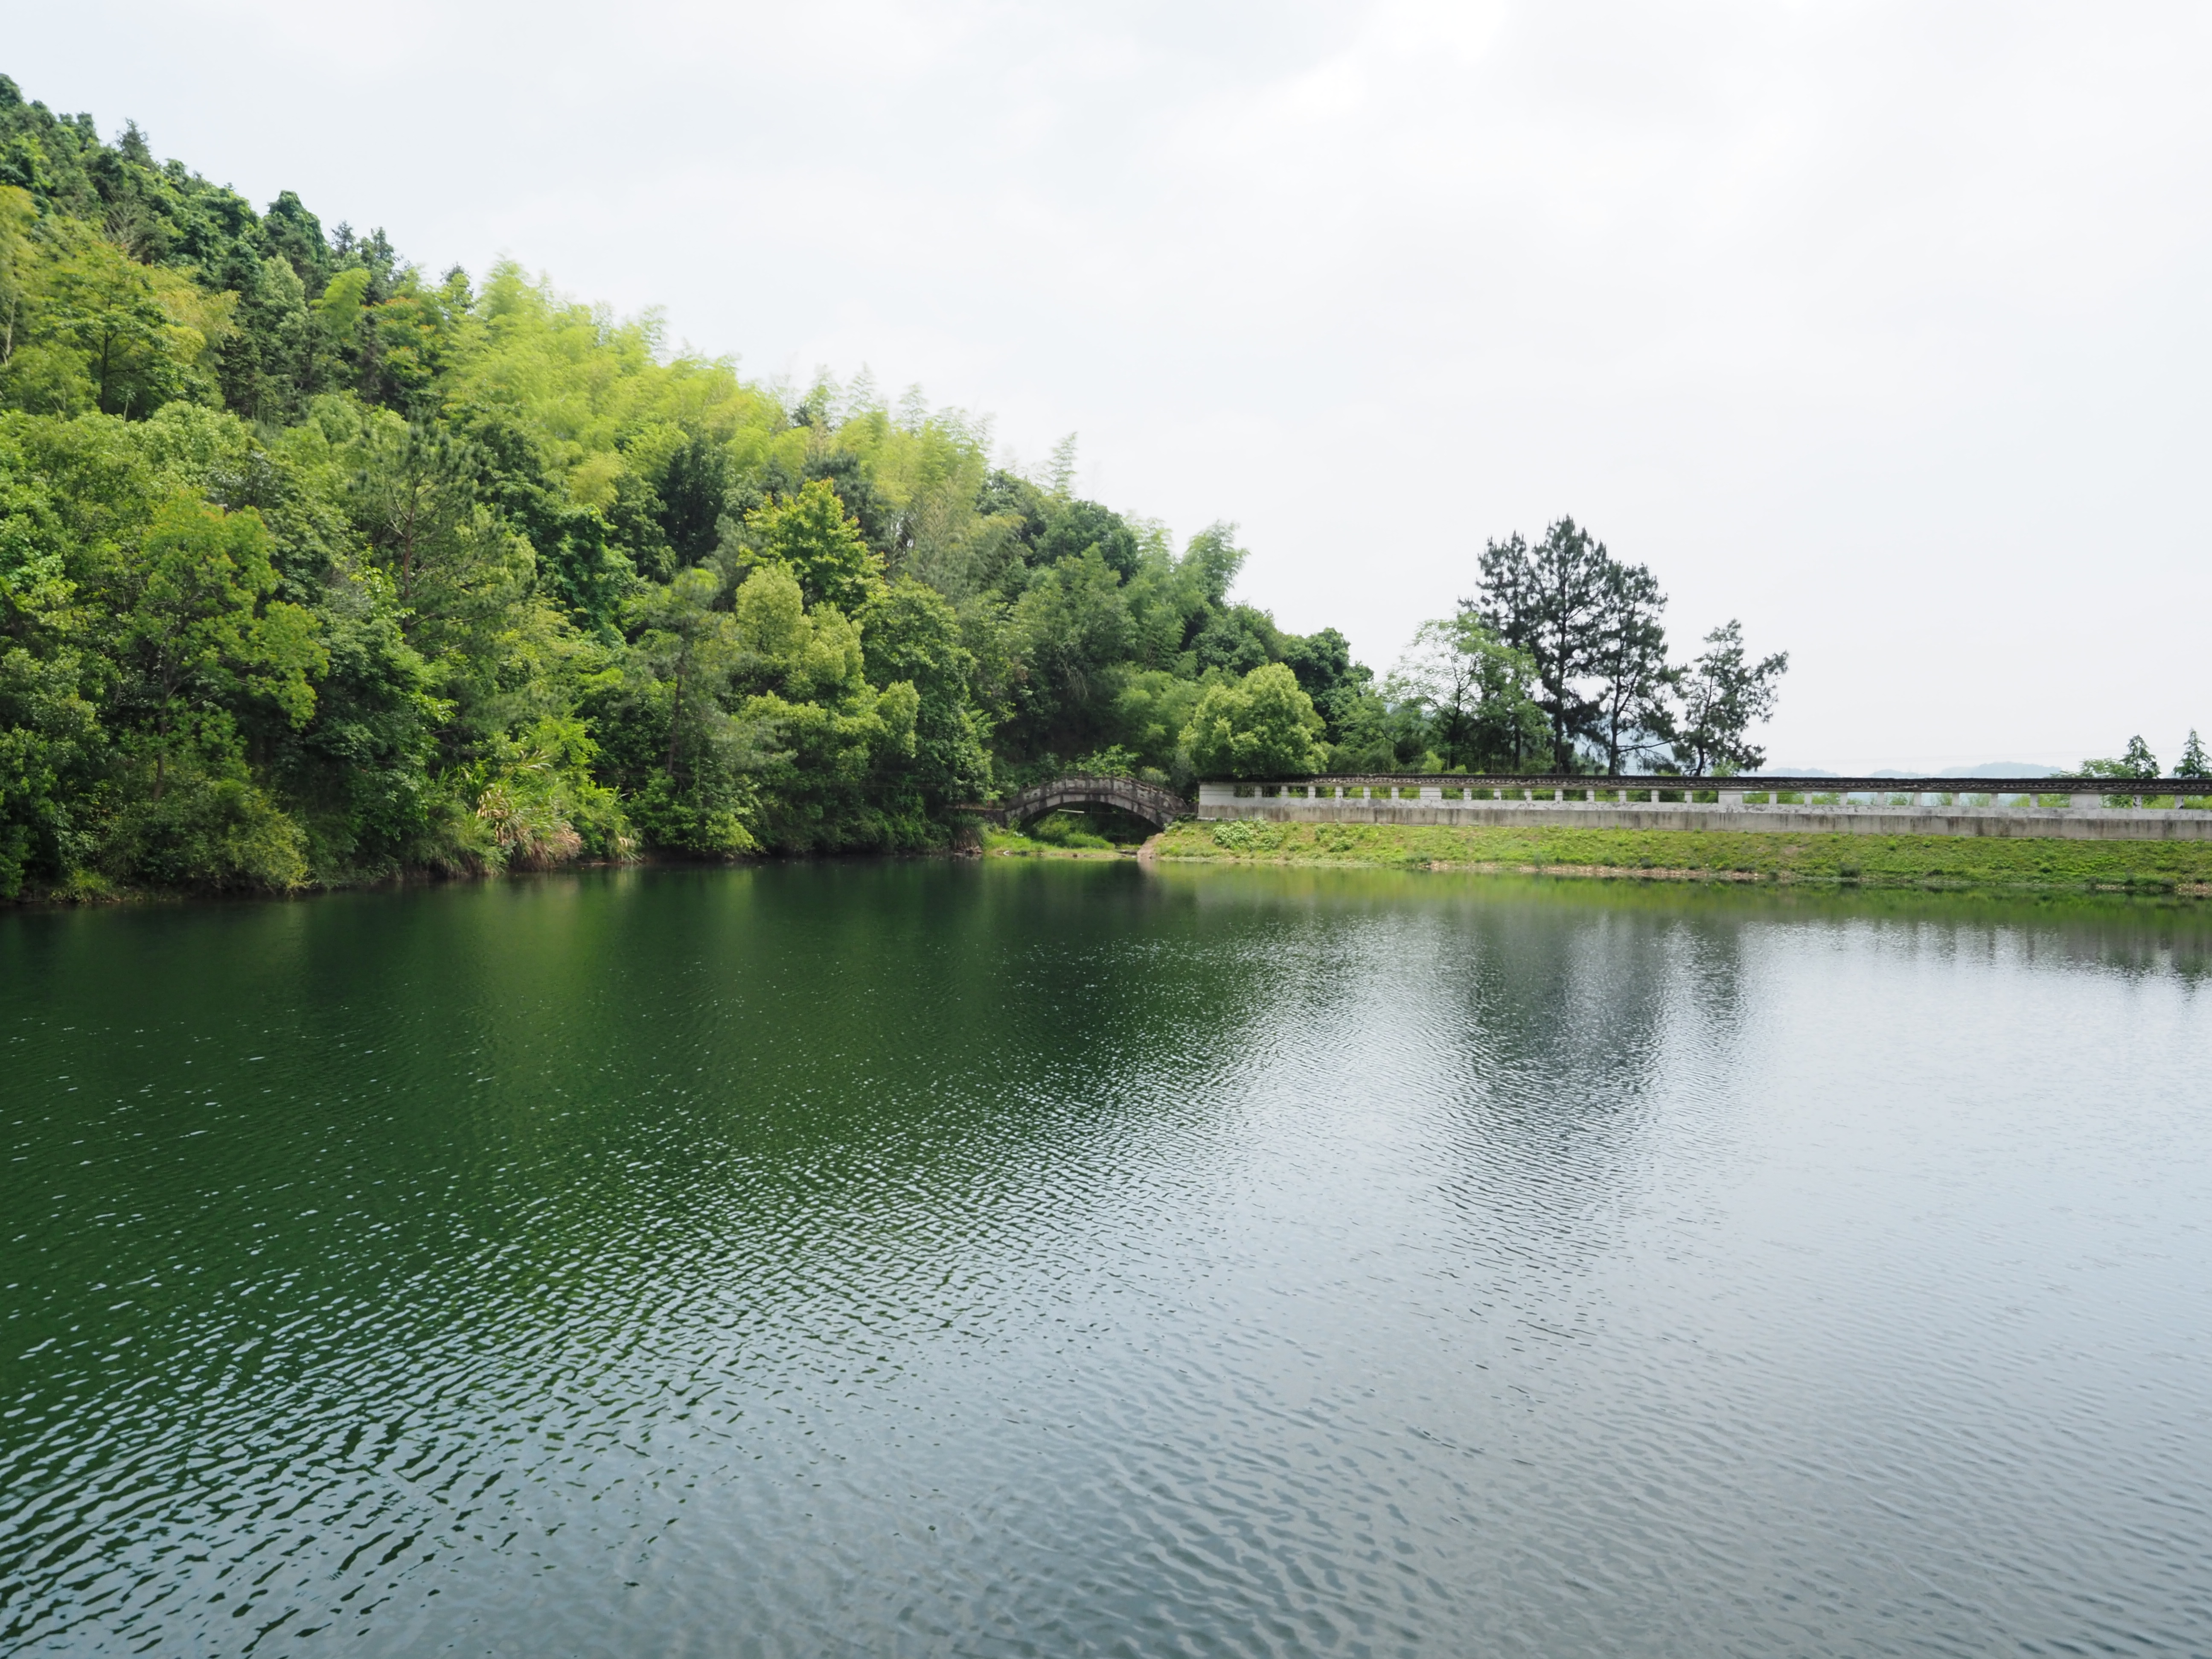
<point x="1155" y="805"/>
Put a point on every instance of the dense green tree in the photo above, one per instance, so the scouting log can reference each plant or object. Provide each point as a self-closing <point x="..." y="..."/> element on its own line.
<point x="911" y="635"/>
<point x="1262" y="726"/>
<point x="200" y="652"/>
<point x="50" y="741"/>
<point x="812" y="535"/>
<point x="268" y="362"/>
<point x="693" y="490"/>
<point x="1071" y="628"/>
<point x="695" y="796"/>
<point x="1550" y="601"/>
<point x="832" y="732"/>
<point x="1238" y="639"/>
<point x="1326" y="673"/>
<point x="1072" y="528"/>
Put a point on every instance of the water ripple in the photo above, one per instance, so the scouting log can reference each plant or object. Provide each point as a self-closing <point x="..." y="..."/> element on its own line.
<point x="921" y="1259"/>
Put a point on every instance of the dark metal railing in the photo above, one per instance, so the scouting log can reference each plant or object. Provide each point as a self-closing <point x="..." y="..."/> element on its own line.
<point x="1639" y="783"/>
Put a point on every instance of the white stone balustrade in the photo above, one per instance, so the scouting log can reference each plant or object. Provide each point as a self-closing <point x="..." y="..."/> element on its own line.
<point x="2009" y="806"/>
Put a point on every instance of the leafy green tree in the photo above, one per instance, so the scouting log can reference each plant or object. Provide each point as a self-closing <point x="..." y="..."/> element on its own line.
<point x="51" y="742"/>
<point x="697" y="795"/>
<point x="413" y="494"/>
<point x="1071" y="627"/>
<point x="1262" y="726"/>
<point x="51" y="751"/>
<point x="362" y="775"/>
<point x="408" y="343"/>
<point x="103" y="306"/>
<point x="199" y="646"/>
<point x="82" y="326"/>
<point x="2137" y="763"/>
<point x="1326" y="673"/>
<point x="1239" y="639"/>
<point x="578" y="560"/>
<point x="294" y="235"/>
<point x="267" y="364"/>
<point x="911" y="636"/>
<point x="1212" y="561"/>
<point x="832" y="732"/>
<point x="1724" y="694"/>
<point x="1073" y="528"/>
<point x="812" y="535"/>
<point x="2193" y="763"/>
<point x="1380" y="735"/>
<point x="18" y="217"/>
<point x="1152" y="710"/>
<point x="1477" y="693"/>
<point x="693" y="491"/>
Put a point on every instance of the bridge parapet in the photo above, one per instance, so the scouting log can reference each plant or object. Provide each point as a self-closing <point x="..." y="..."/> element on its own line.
<point x="1157" y="806"/>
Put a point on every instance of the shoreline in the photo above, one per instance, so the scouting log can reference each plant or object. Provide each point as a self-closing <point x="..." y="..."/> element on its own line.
<point x="2023" y="866"/>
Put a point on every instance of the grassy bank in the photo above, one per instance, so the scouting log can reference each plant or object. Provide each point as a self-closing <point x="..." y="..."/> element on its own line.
<point x="1925" y="861"/>
<point x="1058" y="837"/>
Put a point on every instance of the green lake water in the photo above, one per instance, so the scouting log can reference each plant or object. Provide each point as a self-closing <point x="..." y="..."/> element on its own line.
<point x="1057" y="1259"/>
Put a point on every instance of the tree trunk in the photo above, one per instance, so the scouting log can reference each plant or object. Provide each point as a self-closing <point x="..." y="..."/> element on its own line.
<point x="676" y="709"/>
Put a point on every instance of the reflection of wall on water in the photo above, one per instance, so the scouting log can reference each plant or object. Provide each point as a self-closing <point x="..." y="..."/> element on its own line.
<point x="2137" y="941"/>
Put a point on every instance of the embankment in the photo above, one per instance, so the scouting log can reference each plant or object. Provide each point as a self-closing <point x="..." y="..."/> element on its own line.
<point x="2039" y="864"/>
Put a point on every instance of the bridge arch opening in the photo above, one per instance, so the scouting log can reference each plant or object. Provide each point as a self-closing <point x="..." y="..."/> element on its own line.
<point x="1088" y="826"/>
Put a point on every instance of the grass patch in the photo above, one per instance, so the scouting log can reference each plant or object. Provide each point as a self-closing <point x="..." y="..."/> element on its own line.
<point x="1057" y="835"/>
<point x="1926" y="862"/>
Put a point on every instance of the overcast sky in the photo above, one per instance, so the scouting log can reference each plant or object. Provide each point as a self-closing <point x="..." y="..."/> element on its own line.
<point x="1883" y="327"/>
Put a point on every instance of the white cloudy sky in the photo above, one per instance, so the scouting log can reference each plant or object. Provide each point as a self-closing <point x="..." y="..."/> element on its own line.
<point x="1882" y="326"/>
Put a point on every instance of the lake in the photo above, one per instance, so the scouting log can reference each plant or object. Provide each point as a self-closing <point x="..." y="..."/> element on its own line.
<point x="1063" y="1258"/>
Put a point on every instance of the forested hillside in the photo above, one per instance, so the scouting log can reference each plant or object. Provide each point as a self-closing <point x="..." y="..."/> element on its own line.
<point x="315" y="565"/>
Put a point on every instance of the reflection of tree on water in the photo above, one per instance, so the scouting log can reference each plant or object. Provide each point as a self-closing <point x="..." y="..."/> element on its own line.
<point x="1498" y="1044"/>
<point x="1566" y="1029"/>
<point x="561" y="1152"/>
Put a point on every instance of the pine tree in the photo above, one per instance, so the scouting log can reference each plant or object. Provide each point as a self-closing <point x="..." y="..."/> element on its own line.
<point x="2193" y="763"/>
